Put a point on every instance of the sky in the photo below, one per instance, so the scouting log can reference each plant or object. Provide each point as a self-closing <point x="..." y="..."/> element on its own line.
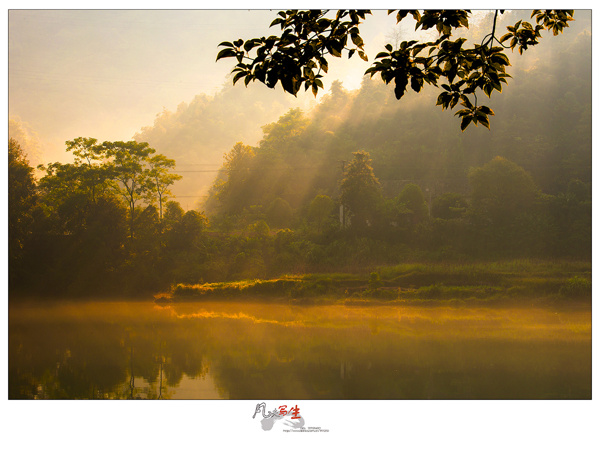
<point x="108" y="73"/>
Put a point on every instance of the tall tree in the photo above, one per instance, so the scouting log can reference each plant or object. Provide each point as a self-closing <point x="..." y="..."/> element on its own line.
<point x="65" y="195"/>
<point x="22" y="197"/>
<point x="500" y="190"/>
<point x="413" y="199"/>
<point x="89" y="156"/>
<point x="231" y="189"/>
<point x="360" y="191"/>
<point x="127" y="166"/>
<point x="320" y="210"/>
<point x="160" y="179"/>
<point x="502" y="200"/>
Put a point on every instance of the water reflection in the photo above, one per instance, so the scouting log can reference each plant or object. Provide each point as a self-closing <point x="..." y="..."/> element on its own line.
<point x="252" y="351"/>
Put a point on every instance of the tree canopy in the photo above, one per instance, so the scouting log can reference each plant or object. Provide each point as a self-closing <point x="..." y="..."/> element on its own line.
<point x="360" y="191"/>
<point x="22" y="196"/>
<point x="298" y="56"/>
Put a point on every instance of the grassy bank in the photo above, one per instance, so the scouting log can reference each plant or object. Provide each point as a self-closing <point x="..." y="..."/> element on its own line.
<point x="414" y="283"/>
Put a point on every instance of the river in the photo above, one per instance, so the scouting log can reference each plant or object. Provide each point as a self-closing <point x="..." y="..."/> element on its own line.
<point x="142" y="350"/>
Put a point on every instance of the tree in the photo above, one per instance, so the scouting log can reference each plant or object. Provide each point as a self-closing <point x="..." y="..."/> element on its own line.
<point x="319" y="211"/>
<point x="230" y="188"/>
<point x="449" y="206"/>
<point x="360" y="191"/>
<point x="22" y="197"/>
<point x="500" y="190"/>
<point x="65" y="195"/>
<point x="89" y="156"/>
<point x="173" y="214"/>
<point x="192" y="226"/>
<point x="279" y="213"/>
<point x="412" y="198"/>
<point x="502" y="201"/>
<point x="127" y="165"/>
<point x="160" y="179"/>
<point x="299" y="55"/>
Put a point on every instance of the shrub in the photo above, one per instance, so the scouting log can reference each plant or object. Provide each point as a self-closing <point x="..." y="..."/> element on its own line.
<point x="576" y="287"/>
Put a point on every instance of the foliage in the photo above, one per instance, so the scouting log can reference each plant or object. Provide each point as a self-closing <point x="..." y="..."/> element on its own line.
<point x="320" y="210"/>
<point x="127" y="160"/>
<point x="503" y="209"/>
<point x="500" y="191"/>
<point x="160" y="179"/>
<point x="100" y="169"/>
<point x="411" y="197"/>
<point x="279" y="214"/>
<point x="576" y="287"/>
<point x="448" y="206"/>
<point x="22" y="198"/>
<point x="230" y="189"/>
<point x="360" y="191"/>
<point x="297" y="57"/>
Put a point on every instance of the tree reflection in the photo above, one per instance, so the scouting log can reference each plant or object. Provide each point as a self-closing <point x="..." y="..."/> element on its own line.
<point x="274" y="353"/>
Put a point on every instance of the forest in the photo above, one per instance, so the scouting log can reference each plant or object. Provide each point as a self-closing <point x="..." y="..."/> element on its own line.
<point x="358" y="182"/>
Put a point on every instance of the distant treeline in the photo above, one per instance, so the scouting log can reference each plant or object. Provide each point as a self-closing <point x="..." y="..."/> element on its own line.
<point x="65" y="242"/>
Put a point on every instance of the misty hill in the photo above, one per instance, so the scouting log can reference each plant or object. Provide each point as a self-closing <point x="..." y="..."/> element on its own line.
<point x="542" y="123"/>
<point x="198" y="133"/>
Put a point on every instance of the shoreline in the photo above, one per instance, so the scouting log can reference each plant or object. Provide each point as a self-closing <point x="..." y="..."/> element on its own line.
<point x="408" y="284"/>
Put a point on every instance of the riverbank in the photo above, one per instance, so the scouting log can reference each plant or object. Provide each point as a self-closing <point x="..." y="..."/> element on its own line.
<point x="416" y="283"/>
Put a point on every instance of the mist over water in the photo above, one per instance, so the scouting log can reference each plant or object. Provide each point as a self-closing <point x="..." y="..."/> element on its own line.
<point x="136" y="350"/>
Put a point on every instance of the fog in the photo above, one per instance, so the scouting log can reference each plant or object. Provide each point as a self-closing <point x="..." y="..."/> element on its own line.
<point x="137" y="350"/>
<point x="197" y="134"/>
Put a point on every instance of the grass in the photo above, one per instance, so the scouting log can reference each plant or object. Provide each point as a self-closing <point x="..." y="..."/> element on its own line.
<point x="411" y="283"/>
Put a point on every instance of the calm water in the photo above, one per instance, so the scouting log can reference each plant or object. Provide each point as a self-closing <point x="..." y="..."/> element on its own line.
<point x="124" y="350"/>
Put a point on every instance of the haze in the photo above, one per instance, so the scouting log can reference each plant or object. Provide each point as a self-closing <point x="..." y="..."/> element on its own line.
<point x="108" y="73"/>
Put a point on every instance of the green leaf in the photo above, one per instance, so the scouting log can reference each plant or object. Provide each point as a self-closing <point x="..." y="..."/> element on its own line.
<point x="226" y="52"/>
<point x="357" y="40"/>
<point x="466" y="120"/>
<point x="249" y="45"/>
<point x="336" y="49"/>
<point x="416" y="84"/>
<point x="486" y="110"/>
<point x="466" y="102"/>
<point x="484" y="120"/>
<point x="400" y="86"/>
<point x="239" y="76"/>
